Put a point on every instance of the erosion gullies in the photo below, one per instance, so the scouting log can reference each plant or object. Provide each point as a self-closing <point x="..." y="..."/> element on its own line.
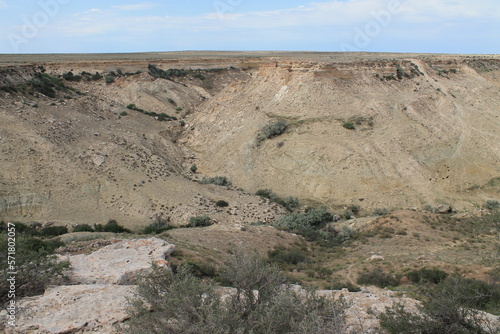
<point x="423" y="132"/>
<point x="379" y="133"/>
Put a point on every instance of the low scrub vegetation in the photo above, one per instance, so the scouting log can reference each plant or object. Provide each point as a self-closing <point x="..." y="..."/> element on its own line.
<point x="217" y="180"/>
<point x="378" y="278"/>
<point x="221" y="203"/>
<point x="158" y="226"/>
<point x="449" y="307"/>
<point x="47" y="85"/>
<point x="183" y="303"/>
<point x="111" y="226"/>
<point x="349" y="125"/>
<point x="200" y="221"/>
<point x="286" y="256"/>
<point x="272" y="130"/>
<point x="425" y="275"/>
<point x="157" y="72"/>
<point x="162" y="117"/>
<point x="35" y="264"/>
<point x="83" y="228"/>
<point x="313" y="225"/>
<point x="288" y="203"/>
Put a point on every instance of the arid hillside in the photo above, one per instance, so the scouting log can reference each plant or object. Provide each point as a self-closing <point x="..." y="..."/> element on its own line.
<point x="132" y="141"/>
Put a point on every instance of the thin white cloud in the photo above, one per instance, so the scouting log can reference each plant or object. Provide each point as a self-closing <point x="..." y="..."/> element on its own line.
<point x="3" y="4"/>
<point x="137" y="6"/>
<point x="316" y="14"/>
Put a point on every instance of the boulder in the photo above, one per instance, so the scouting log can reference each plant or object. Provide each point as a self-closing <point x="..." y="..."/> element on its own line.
<point x="119" y="263"/>
<point x="73" y="309"/>
<point x="444" y="209"/>
<point x="376" y="258"/>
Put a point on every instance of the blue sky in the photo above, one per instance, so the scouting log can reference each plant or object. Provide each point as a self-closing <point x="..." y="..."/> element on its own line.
<point x="71" y="26"/>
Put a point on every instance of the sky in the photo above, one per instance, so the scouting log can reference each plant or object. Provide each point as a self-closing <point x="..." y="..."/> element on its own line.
<point x="99" y="26"/>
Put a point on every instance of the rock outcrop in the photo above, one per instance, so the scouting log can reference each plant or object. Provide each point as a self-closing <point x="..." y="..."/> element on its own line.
<point x="119" y="263"/>
<point x="103" y="282"/>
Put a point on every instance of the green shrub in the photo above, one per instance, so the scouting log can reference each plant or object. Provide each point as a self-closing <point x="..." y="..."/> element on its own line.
<point x="158" y="226"/>
<point x="46" y="84"/>
<point x="428" y="208"/>
<point x="449" y="307"/>
<point x="193" y="169"/>
<point x="183" y="303"/>
<point x="221" y="203"/>
<point x="272" y="130"/>
<point x="162" y="117"/>
<point x="425" y="275"/>
<point x="347" y="214"/>
<point x="492" y="204"/>
<point x="295" y="221"/>
<point x="378" y="278"/>
<point x="380" y="212"/>
<point x="288" y="203"/>
<point x="470" y="293"/>
<point x="111" y="226"/>
<point x="157" y="72"/>
<point x="341" y="284"/>
<point x="355" y="209"/>
<point x="217" y="180"/>
<point x="286" y="256"/>
<point x="199" y="269"/>
<point x="96" y="76"/>
<point x="35" y="266"/>
<point x="53" y="231"/>
<point x="83" y="228"/>
<point x="349" y="125"/>
<point x="123" y="113"/>
<point x="69" y="76"/>
<point x="200" y="221"/>
<point x="110" y="79"/>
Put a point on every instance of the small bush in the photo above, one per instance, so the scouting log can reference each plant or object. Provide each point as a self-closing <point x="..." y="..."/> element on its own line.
<point x="193" y="169"/>
<point x="355" y="209"/>
<point x="289" y="203"/>
<point x="217" y="180"/>
<point x="349" y="125"/>
<point x="449" y="307"/>
<point x="200" y="221"/>
<point x="378" y="278"/>
<point x="428" y="208"/>
<point x="123" y="113"/>
<point x="273" y="130"/>
<point x="69" y="76"/>
<point x="97" y="76"/>
<point x="492" y="204"/>
<point x="158" y="226"/>
<point x="110" y="79"/>
<point x="111" y="226"/>
<point x="340" y="284"/>
<point x="286" y="256"/>
<point x="380" y="212"/>
<point x="296" y="221"/>
<point x="347" y="214"/>
<point x="199" y="269"/>
<point x="425" y="275"/>
<point x="53" y="231"/>
<point x="83" y="228"/>
<point x="221" y="203"/>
